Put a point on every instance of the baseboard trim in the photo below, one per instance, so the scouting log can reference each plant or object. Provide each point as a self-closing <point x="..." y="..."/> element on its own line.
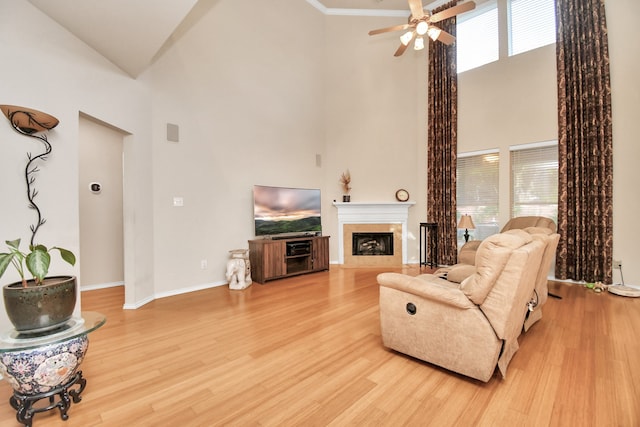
<point x="195" y="288"/>
<point x="100" y="286"/>
<point x="172" y="293"/>
<point x="138" y="304"/>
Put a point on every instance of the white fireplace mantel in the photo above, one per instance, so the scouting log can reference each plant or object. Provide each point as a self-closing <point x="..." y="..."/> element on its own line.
<point x="372" y="213"/>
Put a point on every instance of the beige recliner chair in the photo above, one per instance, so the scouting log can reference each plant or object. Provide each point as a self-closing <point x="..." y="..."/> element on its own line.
<point x="467" y="254"/>
<point x="546" y="233"/>
<point x="535" y="225"/>
<point x="470" y="327"/>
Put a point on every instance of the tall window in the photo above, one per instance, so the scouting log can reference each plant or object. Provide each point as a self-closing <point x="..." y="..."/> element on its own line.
<point x="477" y="192"/>
<point x="534" y="180"/>
<point x="532" y="24"/>
<point x="477" y="38"/>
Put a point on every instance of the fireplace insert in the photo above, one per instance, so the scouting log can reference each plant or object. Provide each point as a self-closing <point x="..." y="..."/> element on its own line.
<point x="372" y="244"/>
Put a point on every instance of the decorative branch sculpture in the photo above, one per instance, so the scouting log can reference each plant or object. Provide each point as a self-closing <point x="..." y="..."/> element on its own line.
<point x="29" y="122"/>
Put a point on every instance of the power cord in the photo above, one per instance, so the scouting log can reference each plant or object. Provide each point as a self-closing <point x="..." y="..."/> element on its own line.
<point x="554" y="295"/>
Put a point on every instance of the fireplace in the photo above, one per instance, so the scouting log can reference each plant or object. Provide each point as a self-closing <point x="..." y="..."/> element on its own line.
<point x="372" y="221"/>
<point x="372" y="244"/>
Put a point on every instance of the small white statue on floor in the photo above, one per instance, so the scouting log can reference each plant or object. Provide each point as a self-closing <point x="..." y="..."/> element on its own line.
<point x="239" y="269"/>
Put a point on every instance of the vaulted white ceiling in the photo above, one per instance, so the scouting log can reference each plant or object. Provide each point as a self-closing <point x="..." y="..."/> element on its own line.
<point x="131" y="33"/>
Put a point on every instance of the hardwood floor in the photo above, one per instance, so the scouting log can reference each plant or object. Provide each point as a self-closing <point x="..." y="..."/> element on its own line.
<point x="307" y="351"/>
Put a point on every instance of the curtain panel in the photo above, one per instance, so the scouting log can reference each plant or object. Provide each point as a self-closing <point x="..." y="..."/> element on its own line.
<point x="585" y="174"/>
<point x="442" y="140"/>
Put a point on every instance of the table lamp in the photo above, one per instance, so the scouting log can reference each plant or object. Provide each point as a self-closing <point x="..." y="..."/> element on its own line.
<point x="467" y="223"/>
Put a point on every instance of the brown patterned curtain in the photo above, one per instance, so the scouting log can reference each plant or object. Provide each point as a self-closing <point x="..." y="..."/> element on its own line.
<point x="442" y="146"/>
<point x="585" y="187"/>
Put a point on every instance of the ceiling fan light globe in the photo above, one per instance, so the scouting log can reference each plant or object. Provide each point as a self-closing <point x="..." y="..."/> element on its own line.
<point x="434" y="33"/>
<point x="422" y="28"/>
<point x="419" y="44"/>
<point x="406" y="37"/>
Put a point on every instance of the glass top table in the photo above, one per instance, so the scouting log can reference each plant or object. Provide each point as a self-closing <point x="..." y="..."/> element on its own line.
<point x="44" y="367"/>
<point x="89" y="321"/>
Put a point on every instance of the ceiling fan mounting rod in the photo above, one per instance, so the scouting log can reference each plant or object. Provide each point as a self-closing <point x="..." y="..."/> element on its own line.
<point x="415" y="21"/>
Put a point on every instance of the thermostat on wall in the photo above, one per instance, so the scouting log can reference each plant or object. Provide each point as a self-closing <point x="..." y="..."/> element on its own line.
<point x="95" y="187"/>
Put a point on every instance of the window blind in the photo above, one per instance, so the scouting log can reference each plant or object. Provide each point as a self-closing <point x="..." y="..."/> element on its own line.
<point x="477" y="192"/>
<point x="477" y="38"/>
<point x="534" y="181"/>
<point x="532" y="24"/>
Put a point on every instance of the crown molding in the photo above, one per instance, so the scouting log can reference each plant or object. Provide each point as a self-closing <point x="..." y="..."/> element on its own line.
<point x="377" y="12"/>
<point x="357" y="12"/>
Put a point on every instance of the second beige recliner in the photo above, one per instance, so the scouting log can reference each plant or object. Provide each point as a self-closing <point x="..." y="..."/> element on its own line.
<point x="471" y="327"/>
<point x="467" y="254"/>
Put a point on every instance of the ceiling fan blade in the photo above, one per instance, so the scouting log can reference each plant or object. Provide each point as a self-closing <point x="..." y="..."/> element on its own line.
<point x="400" y="50"/>
<point x="389" y="29"/>
<point x="403" y="46"/>
<point x="452" y="11"/>
<point x="445" y="38"/>
<point x="416" y="9"/>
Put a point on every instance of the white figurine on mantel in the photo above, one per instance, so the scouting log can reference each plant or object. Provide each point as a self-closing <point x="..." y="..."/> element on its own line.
<point x="239" y="269"/>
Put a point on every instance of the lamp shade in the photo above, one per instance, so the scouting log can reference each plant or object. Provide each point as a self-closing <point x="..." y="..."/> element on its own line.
<point x="406" y="37"/>
<point x="466" y="222"/>
<point x="418" y="44"/>
<point x="434" y="33"/>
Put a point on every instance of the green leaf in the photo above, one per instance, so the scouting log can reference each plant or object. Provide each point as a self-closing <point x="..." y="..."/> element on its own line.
<point x="66" y="255"/>
<point x="38" y="262"/>
<point x="5" y="260"/>
<point x="15" y="244"/>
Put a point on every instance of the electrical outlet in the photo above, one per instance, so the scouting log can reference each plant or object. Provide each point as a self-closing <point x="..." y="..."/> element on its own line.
<point x="617" y="264"/>
<point x="203" y="264"/>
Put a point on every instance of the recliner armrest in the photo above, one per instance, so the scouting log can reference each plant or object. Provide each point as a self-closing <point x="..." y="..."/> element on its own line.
<point x="427" y="286"/>
<point x="468" y="251"/>
<point x="457" y="273"/>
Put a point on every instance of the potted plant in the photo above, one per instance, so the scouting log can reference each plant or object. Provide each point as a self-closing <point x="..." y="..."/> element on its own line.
<point x="41" y="303"/>
<point x="345" y="180"/>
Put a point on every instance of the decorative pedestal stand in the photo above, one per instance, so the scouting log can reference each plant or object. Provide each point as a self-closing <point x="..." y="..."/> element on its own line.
<point x="40" y="367"/>
<point x="239" y="269"/>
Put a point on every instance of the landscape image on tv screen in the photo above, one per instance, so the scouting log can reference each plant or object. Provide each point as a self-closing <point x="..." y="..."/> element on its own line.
<point x="280" y="210"/>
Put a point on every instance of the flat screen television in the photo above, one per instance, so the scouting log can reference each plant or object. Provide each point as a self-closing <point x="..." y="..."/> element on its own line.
<point x="285" y="212"/>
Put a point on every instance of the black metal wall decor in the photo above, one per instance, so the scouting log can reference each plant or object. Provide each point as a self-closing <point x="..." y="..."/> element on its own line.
<point x="31" y="123"/>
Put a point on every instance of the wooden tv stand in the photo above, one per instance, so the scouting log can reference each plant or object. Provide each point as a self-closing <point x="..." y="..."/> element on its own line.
<point x="274" y="259"/>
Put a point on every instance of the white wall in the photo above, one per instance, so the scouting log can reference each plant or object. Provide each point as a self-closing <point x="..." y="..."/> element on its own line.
<point x="624" y="50"/>
<point x="250" y="108"/>
<point x="45" y="67"/>
<point x="376" y="120"/>
<point x="508" y="102"/>
<point x="101" y="214"/>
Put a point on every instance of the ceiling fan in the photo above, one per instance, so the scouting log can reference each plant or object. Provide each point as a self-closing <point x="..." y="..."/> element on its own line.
<point x="420" y="23"/>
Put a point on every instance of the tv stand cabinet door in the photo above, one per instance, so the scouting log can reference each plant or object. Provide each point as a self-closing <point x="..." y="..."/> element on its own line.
<point x="321" y="253"/>
<point x="267" y="259"/>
